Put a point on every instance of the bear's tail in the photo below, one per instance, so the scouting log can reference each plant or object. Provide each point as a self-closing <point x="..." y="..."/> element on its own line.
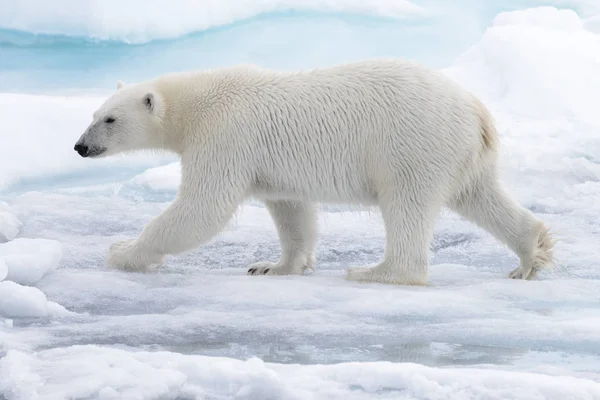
<point x="489" y="135"/>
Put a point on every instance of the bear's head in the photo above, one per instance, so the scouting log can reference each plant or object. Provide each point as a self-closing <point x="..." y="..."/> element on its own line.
<point x="131" y="119"/>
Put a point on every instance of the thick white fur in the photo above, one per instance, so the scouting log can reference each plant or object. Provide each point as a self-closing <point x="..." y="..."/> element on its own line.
<point x="390" y="133"/>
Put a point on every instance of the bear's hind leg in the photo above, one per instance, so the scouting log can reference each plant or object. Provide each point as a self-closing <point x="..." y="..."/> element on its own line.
<point x="296" y="224"/>
<point x="409" y="222"/>
<point x="488" y="205"/>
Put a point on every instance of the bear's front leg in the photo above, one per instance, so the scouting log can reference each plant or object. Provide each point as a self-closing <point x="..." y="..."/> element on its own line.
<point x="200" y="211"/>
<point x="127" y="255"/>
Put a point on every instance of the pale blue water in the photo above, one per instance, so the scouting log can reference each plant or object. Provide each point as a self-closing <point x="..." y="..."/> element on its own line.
<point x="46" y="63"/>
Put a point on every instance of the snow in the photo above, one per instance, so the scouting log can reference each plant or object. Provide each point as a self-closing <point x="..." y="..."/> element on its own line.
<point x="43" y="131"/>
<point x="28" y="260"/>
<point x="589" y="11"/>
<point x="24" y="262"/>
<point x="142" y="21"/>
<point x="24" y="301"/>
<point x="9" y="226"/>
<point x="519" y="69"/>
<point x="165" y="178"/>
<point x="504" y="67"/>
<point x="9" y="223"/>
<point x="199" y="327"/>
<point x="124" y="374"/>
<point x="545" y="17"/>
<point x="3" y="270"/>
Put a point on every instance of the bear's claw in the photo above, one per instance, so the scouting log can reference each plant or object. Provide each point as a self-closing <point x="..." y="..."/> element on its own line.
<point x="269" y="268"/>
<point x="258" y="271"/>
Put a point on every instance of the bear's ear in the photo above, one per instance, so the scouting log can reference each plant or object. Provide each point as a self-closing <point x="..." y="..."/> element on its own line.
<point x="149" y="101"/>
<point x="120" y="84"/>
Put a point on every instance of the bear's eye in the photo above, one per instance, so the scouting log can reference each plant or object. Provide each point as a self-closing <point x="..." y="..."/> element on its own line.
<point x="109" y="120"/>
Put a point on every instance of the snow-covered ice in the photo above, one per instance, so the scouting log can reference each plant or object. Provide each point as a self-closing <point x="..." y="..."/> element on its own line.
<point x="141" y="374"/>
<point x="3" y="270"/>
<point x="9" y="224"/>
<point x="164" y="178"/>
<point x="24" y="262"/>
<point x="40" y="145"/>
<point x="97" y="19"/>
<point x="28" y="260"/>
<point x="24" y="301"/>
<point x="200" y="328"/>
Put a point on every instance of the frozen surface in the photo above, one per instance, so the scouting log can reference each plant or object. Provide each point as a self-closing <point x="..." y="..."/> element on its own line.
<point x="124" y="374"/>
<point x="3" y="269"/>
<point x="24" y="301"/>
<point x="97" y="19"/>
<point x="28" y="260"/>
<point x="9" y="223"/>
<point x="9" y="226"/>
<point x="536" y="70"/>
<point x="143" y="21"/>
<point x="67" y="45"/>
<point x="199" y="327"/>
<point x="164" y="178"/>
<point x="39" y="142"/>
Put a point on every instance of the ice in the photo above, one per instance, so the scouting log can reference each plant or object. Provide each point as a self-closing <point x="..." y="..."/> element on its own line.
<point x="125" y="374"/>
<point x="332" y="31"/>
<point x="28" y="260"/>
<point x="9" y="223"/>
<point x="504" y="67"/>
<point x="9" y="226"/>
<point x="203" y="303"/>
<point x="199" y="327"/>
<point x="547" y="116"/>
<point x="43" y="131"/>
<point x="97" y="19"/>
<point x="24" y="301"/>
<point x="544" y="17"/>
<point x="163" y="178"/>
<point x="589" y="10"/>
<point x="3" y="269"/>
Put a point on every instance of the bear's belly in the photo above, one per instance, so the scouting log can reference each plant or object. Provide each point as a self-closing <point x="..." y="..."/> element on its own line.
<point x="314" y="191"/>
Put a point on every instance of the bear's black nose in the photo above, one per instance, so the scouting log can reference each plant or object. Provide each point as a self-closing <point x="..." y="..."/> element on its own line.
<point x="82" y="150"/>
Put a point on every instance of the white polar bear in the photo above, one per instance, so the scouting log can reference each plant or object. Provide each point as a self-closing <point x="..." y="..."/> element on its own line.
<point x="390" y="133"/>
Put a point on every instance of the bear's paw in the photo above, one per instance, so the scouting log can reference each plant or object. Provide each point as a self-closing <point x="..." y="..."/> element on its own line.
<point x="128" y="256"/>
<point x="270" y="268"/>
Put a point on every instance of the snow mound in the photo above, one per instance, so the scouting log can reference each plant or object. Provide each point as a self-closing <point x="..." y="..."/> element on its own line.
<point x="9" y="224"/>
<point x="542" y="17"/>
<point x="593" y="24"/>
<point x="3" y="270"/>
<point x="140" y="21"/>
<point x="538" y="63"/>
<point x="25" y="301"/>
<point x="107" y="373"/>
<point x="28" y="260"/>
<point x="537" y="70"/>
<point x="163" y="178"/>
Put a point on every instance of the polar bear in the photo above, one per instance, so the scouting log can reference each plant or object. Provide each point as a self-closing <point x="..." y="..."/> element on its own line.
<point x="384" y="132"/>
